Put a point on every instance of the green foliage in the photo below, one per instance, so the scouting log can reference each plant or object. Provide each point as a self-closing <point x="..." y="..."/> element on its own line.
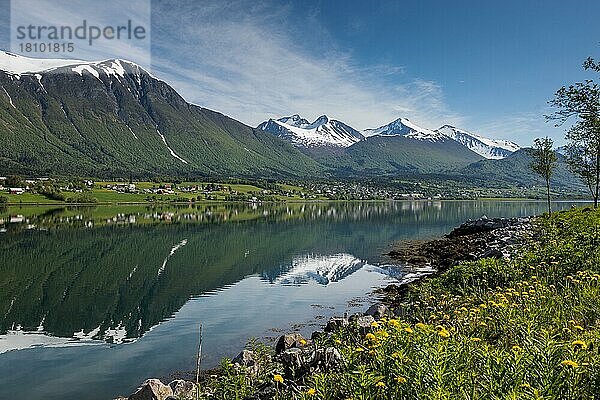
<point x="14" y="181"/>
<point x="3" y="199"/>
<point x="582" y="101"/>
<point x="544" y="162"/>
<point x="583" y="153"/>
<point x="234" y="382"/>
<point x="83" y="198"/>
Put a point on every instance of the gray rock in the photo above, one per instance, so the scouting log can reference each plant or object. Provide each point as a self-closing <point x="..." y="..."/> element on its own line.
<point x="293" y="361"/>
<point x="183" y="389"/>
<point x="327" y="359"/>
<point x="336" y="323"/>
<point x="245" y="359"/>
<point x="152" y="389"/>
<point x="289" y="341"/>
<point x="492" y="253"/>
<point x="378" y="311"/>
<point x="364" y="323"/>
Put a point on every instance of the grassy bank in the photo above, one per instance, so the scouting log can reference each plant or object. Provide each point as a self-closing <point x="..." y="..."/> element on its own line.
<point x="528" y="328"/>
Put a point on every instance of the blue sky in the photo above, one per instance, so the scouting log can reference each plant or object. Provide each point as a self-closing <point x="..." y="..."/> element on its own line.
<point x="488" y="67"/>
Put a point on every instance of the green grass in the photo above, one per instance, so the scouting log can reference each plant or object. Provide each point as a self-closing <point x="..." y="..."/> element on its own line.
<point x="107" y="196"/>
<point x="528" y="328"/>
<point x="32" y="198"/>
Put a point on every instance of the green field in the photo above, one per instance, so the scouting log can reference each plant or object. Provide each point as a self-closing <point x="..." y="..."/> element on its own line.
<point x="108" y="196"/>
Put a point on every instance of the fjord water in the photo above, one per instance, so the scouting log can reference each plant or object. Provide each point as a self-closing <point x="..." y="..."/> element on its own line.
<point x="95" y="300"/>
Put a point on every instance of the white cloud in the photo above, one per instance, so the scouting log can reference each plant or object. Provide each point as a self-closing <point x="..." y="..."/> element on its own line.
<point x="244" y="62"/>
<point x="254" y="60"/>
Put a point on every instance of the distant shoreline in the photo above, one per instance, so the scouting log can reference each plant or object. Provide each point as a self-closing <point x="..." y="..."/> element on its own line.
<point x="104" y="203"/>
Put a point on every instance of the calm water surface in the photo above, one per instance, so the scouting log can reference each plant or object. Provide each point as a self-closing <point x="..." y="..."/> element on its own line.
<point x="95" y="300"/>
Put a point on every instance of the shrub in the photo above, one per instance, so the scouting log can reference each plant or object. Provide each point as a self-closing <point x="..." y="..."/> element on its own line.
<point x="82" y="198"/>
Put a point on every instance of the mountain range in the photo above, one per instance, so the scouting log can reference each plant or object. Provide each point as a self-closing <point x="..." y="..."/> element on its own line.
<point x="113" y="119"/>
<point x="325" y="132"/>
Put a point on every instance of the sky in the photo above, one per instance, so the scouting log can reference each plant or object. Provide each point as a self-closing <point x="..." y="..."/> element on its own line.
<point x="487" y="67"/>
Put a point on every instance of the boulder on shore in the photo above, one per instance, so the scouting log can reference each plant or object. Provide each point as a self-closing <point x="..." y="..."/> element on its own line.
<point x="152" y="389"/>
<point x="289" y="341"/>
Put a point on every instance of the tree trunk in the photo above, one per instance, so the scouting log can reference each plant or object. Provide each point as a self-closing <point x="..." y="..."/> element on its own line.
<point x="597" y="171"/>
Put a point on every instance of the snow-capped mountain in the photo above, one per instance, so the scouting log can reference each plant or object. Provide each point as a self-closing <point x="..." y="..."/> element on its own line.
<point x="321" y="269"/>
<point x="112" y="118"/>
<point x="322" y="132"/>
<point x="406" y="128"/>
<point x="492" y="149"/>
<point x="17" y="65"/>
<point x="489" y="148"/>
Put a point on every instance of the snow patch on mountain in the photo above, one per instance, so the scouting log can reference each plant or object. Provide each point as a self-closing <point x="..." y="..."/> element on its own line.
<point x="322" y="132"/>
<point x="405" y="127"/>
<point x="86" y="67"/>
<point x="175" y="155"/>
<point x="492" y="149"/>
<point x="18" y="65"/>
<point x="9" y="98"/>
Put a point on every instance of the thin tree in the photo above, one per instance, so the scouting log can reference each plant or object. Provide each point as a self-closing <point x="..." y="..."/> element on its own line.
<point x="544" y="162"/>
<point x="582" y="101"/>
<point x="583" y="154"/>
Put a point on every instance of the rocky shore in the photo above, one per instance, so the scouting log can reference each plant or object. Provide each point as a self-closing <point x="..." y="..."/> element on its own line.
<point x="299" y="356"/>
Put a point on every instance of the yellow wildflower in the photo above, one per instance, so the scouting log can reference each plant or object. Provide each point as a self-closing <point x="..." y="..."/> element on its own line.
<point x="382" y="333"/>
<point x="278" y="378"/>
<point x="380" y="384"/>
<point x="408" y="329"/>
<point x="420" y="325"/>
<point x="393" y="322"/>
<point x="443" y="332"/>
<point x="579" y="344"/>
<point x="311" y="392"/>
<point x="569" y="363"/>
<point x="371" y="337"/>
<point x="475" y="339"/>
<point x="401" y="379"/>
<point x="374" y="324"/>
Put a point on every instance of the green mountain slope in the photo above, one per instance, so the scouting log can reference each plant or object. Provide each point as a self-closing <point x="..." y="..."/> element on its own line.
<point x="105" y="124"/>
<point x="515" y="170"/>
<point x="394" y="155"/>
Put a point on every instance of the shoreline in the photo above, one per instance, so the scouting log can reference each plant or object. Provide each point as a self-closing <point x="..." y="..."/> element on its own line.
<point x="162" y="203"/>
<point x="449" y="250"/>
